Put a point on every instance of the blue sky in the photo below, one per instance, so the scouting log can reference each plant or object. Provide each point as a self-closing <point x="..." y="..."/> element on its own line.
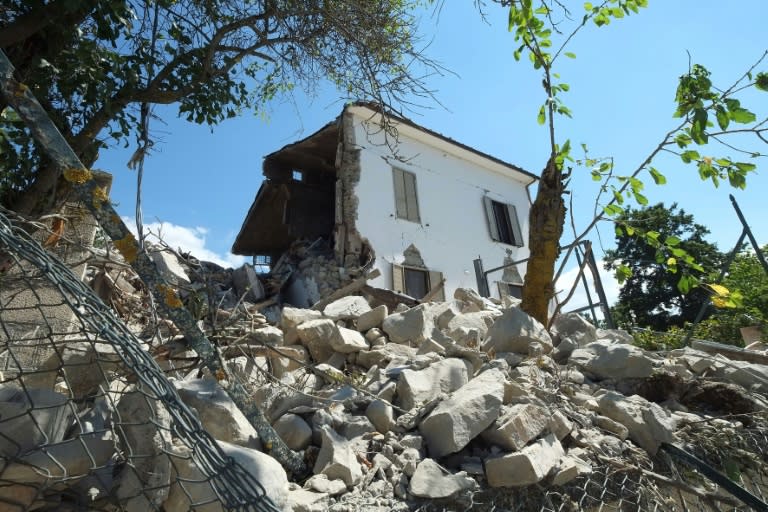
<point x="200" y="181"/>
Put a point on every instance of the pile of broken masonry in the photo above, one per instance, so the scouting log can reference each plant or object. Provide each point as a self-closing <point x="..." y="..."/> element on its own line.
<point x="444" y="400"/>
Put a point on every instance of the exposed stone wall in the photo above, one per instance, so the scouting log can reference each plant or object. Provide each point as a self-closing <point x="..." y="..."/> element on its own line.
<point x="352" y="250"/>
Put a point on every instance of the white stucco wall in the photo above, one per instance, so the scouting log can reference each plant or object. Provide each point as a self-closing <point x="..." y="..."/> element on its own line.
<point x="451" y="183"/>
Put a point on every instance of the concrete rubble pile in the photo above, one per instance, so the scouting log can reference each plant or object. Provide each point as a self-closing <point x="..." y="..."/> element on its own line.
<point x="432" y="402"/>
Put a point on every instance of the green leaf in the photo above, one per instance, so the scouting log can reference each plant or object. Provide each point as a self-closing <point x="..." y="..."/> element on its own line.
<point x="684" y="284"/>
<point x="745" y="166"/>
<point x="623" y="273"/>
<point x="672" y="241"/>
<point x="658" y="178"/>
<point x="640" y="198"/>
<point x="689" y="156"/>
<point x="761" y="81"/>
<point x="542" y="117"/>
<point x="613" y="210"/>
<point x="570" y="55"/>
<point x="699" y="125"/>
<point x="722" y="118"/>
<point x="587" y="6"/>
<point x="742" y="116"/>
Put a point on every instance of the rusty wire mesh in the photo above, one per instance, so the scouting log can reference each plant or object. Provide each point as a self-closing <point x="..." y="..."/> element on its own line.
<point x="88" y="420"/>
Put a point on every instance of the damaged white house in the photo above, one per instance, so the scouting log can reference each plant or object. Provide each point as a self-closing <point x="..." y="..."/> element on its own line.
<point x="414" y="204"/>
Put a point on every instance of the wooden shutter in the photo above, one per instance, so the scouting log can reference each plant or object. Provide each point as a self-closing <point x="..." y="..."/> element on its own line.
<point x="406" y="200"/>
<point x="435" y="279"/>
<point x="515" y="223"/>
<point x="411" y="199"/>
<point x="491" y="218"/>
<point x="401" y="207"/>
<point x="398" y="278"/>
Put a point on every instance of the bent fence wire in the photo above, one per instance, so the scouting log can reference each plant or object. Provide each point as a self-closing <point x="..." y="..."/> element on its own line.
<point x="88" y="420"/>
<point x="633" y="481"/>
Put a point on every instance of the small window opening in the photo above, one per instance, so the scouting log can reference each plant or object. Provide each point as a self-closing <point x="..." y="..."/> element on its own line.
<point x="416" y="282"/>
<point x="262" y="263"/>
<point x="503" y="223"/>
<point x="297" y="175"/>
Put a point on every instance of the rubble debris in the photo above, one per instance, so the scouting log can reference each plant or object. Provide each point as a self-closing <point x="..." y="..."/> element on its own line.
<point x="390" y="401"/>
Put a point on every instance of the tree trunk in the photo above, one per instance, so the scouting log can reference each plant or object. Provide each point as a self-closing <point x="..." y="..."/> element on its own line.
<point x="546" y="226"/>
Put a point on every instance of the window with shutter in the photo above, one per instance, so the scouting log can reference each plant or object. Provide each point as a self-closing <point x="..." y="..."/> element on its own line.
<point x="503" y="224"/>
<point x="416" y="282"/>
<point x="406" y="200"/>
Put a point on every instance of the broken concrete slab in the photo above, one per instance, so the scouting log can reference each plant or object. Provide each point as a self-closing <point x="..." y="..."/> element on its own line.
<point x="217" y="412"/>
<point x="372" y="318"/>
<point x="322" y="484"/>
<point x="32" y="418"/>
<point x="649" y="425"/>
<point x="247" y="284"/>
<point x="517" y="425"/>
<point x="347" y="308"/>
<point x="412" y="326"/>
<point x="431" y="481"/>
<point x="267" y="335"/>
<point x="514" y="331"/>
<point x="569" y="469"/>
<point x="615" y="336"/>
<point x="146" y="428"/>
<point x="302" y="500"/>
<point x="466" y="413"/>
<point x="608" y="360"/>
<point x="348" y="341"/>
<point x="319" y="336"/>
<point x="169" y="267"/>
<point x="381" y="414"/>
<point x="418" y="386"/>
<point x="291" y="318"/>
<point x="526" y="467"/>
<point x="337" y="458"/>
<point x="292" y="429"/>
<point x="192" y="488"/>
<point x="575" y="327"/>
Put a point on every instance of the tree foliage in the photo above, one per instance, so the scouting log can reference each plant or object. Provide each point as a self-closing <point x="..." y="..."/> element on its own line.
<point x="747" y="278"/>
<point x="93" y="63"/>
<point x="650" y="295"/>
<point x="706" y="114"/>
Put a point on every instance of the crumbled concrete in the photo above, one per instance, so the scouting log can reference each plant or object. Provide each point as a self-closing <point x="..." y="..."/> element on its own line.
<point x="431" y="481"/>
<point x="468" y="411"/>
<point x="527" y="467"/>
<point x="514" y="331"/>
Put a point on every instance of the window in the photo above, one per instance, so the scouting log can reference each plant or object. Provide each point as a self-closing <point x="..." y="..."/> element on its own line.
<point x="297" y="175"/>
<point x="406" y="203"/>
<point x="262" y="263"/>
<point x="502" y="222"/>
<point x="417" y="282"/>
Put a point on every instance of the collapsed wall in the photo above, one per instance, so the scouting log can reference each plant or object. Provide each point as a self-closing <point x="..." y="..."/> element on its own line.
<point x="452" y="405"/>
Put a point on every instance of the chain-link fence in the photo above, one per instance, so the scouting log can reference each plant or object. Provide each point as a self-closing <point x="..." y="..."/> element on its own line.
<point x="633" y="481"/>
<point x="88" y="420"/>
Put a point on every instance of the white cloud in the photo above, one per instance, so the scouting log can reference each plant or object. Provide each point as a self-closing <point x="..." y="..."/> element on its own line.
<point x="579" y="299"/>
<point x="187" y="239"/>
